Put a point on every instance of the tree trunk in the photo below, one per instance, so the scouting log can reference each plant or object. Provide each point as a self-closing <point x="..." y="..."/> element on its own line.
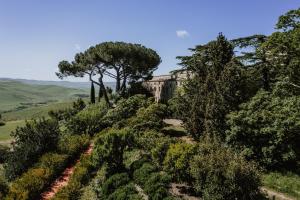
<point x="118" y="81"/>
<point x="103" y="89"/>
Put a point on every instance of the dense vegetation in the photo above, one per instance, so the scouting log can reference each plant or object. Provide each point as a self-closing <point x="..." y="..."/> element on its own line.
<point x="240" y="111"/>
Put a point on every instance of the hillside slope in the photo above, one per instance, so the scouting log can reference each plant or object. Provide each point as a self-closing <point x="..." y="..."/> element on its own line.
<point x="16" y="95"/>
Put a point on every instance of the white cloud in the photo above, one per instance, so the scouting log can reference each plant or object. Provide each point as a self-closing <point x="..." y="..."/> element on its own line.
<point x="182" y="33"/>
<point x="77" y="47"/>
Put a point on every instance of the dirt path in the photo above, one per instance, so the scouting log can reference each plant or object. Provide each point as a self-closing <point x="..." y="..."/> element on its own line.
<point x="276" y="195"/>
<point x="64" y="178"/>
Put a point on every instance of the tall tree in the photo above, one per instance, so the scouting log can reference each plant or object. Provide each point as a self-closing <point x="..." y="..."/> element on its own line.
<point x="93" y="98"/>
<point x="125" y="62"/>
<point x="215" y="89"/>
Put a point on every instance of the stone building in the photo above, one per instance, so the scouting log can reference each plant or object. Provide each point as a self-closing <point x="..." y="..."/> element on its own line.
<point x="163" y="87"/>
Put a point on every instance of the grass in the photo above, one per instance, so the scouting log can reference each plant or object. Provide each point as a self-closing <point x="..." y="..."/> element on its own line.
<point x="34" y="112"/>
<point x="8" y="128"/>
<point x="16" y="95"/>
<point x="288" y="183"/>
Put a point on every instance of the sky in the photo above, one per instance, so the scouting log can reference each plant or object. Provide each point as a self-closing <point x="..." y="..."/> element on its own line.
<point x="36" y="34"/>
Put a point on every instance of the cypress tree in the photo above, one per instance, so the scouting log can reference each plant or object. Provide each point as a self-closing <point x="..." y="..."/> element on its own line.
<point x="93" y="99"/>
<point x="100" y="95"/>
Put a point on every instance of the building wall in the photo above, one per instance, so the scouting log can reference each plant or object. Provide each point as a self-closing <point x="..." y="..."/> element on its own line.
<point x="163" y="87"/>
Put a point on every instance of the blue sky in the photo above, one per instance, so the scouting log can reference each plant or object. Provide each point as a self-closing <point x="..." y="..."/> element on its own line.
<point x="35" y="35"/>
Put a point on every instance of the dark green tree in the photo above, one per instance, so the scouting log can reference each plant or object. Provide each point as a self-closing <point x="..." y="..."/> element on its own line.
<point x="215" y="89"/>
<point x="30" y="142"/>
<point x="93" y="98"/>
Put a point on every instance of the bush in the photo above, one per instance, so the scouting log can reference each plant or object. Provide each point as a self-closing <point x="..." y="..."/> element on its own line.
<point x="3" y="187"/>
<point x="150" y="117"/>
<point x="114" y="182"/>
<point x="125" y="192"/>
<point x="4" y="151"/>
<point x="31" y="141"/>
<point x="266" y="129"/>
<point x="177" y="160"/>
<point x="35" y="180"/>
<point x="159" y="151"/>
<point x="157" y="185"/>
<point x="142" y="174"/>
<point x="66" y="114"/>
<point x="109" y="148"/>
<point x="80" y="177"/>
<point x="220" y="174"/>
<point x="89" y="120"/>
<point x="125" y="109"/>
<point x="73" y="144"/>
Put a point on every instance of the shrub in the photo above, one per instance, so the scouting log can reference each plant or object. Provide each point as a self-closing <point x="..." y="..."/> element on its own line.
<point x="220" y="174"/>
<point x="266" y="129"/>
<point x="35" y="180"/>
<point x="4" y="151"/>
<point x="142" y="174"/>
<point x="80" y="177"/>
<point x="150" y="117"/>
<point x="31" y="141"/>
<point x="66" y="114"/>
<point x="125" y="109"/>
<point x="114" y="182"/>
<point x="125" y="192"/>
<point x="89" y="120"/>
<point x="177" y="159"/>
<point x="73" y="144"/>
<point x="3" y="187"/>
<point x="157" y="185"/>
<point x="159" y="151"/>
<point x="109" y="149"/>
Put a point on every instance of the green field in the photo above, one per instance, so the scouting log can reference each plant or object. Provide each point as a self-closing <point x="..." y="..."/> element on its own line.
<point x="9" y="126"/>
<point x="288" y="183"/>
<point x="34" y="112"/>
<point x="17" y="96"/>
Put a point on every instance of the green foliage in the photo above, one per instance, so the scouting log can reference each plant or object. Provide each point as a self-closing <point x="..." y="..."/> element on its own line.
<point x="2" y="123"/>
<point x="177" y="160"/>
<point x="4" y="151"/>
<point x="156" y="187"/>
<point x="35" y="180"/>
<point x="109" y="148"/>
<point x="142" y="174"/>
<point x="266" y="129"/>
<point x="114" y="182"/>
<point x="92" y="95"/>
<point x="31" y="141"/>
<point x="290" y="20"/>
<point x="219" y="173"/>
<point x="125" y="192"/>
<point x="150" y="117"/>
<point x="80" y="177"/>
<point x="89" y="120"/>
<point x="66" y="113"/>
<point x="159" y="151"/>
<point x="154" y="183"/>
<point x="288" y="183"/>
<point x="215" y="89"/>
<point x="125" y="109"/>
<point x="3" y="187"/>
<point x="73" y="144"/>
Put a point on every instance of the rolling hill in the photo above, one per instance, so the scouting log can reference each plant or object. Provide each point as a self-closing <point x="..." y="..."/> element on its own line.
<point x="16" y="95"/>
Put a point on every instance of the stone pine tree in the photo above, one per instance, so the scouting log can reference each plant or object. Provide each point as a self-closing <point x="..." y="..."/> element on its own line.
<point x="93" y="98"/>
<point x="125" y="62"/>
<point x="214" y="90"/>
